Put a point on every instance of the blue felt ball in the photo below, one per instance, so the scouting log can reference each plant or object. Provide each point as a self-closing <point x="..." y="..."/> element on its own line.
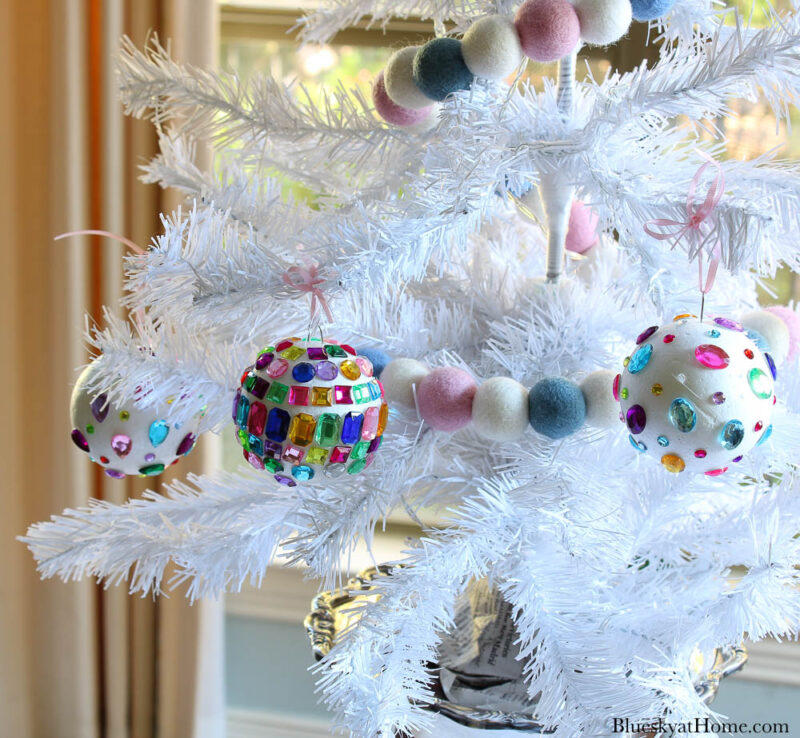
<point x="556" y="407"/>
<point x="647" y="10"/>
<point x="439" y="69"/>
<point x="378" y="358"/>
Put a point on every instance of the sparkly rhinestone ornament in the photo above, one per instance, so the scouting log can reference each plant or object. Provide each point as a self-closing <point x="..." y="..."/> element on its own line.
<point x="702" y="389"/>
<point x="309" y="408"/>
<point x="126" y="440"/>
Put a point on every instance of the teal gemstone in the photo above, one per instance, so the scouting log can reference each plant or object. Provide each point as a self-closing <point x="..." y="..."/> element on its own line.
<point x="328" y="429"/>
<point x="303" y="473"/>
<point x="159" y="430"/>
<point x="357" y="466"/>
<point x="640" y="359"/>
<point x="765" y="435"/>
<point x="760" y="383"/>
<point x="663" y="441"/>
<point x="359" y="450"/>
<point x="361" y="393"/>
<point x="638" y="445"/>
<point x="732" y="434"/>
<point x="682" y="415"/>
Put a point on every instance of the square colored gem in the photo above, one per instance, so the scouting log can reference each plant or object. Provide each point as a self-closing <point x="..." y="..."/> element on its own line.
<point x="277" y="392"/>
<point x="293" y="454"/>
<point x="273" y="465"/>
<point x="272" y="449"/>
<point x="256" y="445"/>
<point x="359" y="450"/>
<point x="292" y="353"/>
<point x="361" y="393"/>
<point x="374" y="390"/>
<point x="250" y="381"/>
<point x="244" y="439"/>
<point x="321" y="396"/>
<point x="242" y="412"/>
<point x="316" y="353"/>
<point x="341" y="393"/>
<point x="337" y="351"/>
<point x="260" y="387"/>
<point x="298" y="395"/>
<point x="339" y="454"/>
<point x="316" y="455"/>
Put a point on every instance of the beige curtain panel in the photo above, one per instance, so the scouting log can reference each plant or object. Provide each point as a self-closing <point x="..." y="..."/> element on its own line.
<point x="77" y="660"/>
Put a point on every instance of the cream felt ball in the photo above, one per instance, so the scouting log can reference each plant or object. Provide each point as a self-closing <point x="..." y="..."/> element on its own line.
<point x="439" y="68"/>
<point x="696" y="395"/>
<point x="398" y="78"/>
<point x="603" y="21"/>
<point x="445" y="397"/>
<point x="548" y="29"/>
<point x="602" y="408"/>
<point x="769" y="333"/>
<point x="126" y="438"/>
<point x="792" y="321"/>
<point x="400" y="376"/>
<point x="309" y="407"/>
<point x="491" y="47"/>
<point x="393" y="113"/>
<point x="647" y="10"/>
<point x="500" y="409"/>
<point x="582" y="229"/>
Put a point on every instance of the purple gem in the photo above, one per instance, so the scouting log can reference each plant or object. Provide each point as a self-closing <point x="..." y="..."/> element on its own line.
<point x="316" y="353"/>
<point x="272" y="450"/>
<point x="718" y="398"/>
<point x="644" y="336"/>
<point x="327" y="370"/>
<point x="737" y="459"/>
<point x="80" y="440"/>
<point x="100" y="407"/>
<point x="121" y="444"/>
<point x="288" y="481"/>
<point x="236" y="404"/>
<point x="114" y="474"/>
<point x="260" y="387"/>
<point x="771" y="365"/>
<point x="636" y="418"/>
<point x="374" y="444"/>
<point x="150" y="457"/>
<point x="186" y="445"/>
<point x="264" y="359"/>
<point x="729" y="324"/>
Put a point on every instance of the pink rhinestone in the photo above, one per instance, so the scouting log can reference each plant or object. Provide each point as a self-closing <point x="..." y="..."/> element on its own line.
<point x="341" y="394"/>
<point x="370" y="427"/>
<point x="700" y="453"/>
<point x="669" y="338"/>
<point x="298" y="395"/>
<point x="339" y="454"/>
<point x="253" y="460"/>
<point x="716" y="472"/>
<point x="293" y="455"/>
<point x="277" y="368"/>
<point x="283" y="345"/>
<point x="121" y="444"/>
<point x="711" y="356"/>
<point x="615" y="388"/>
<point x="365" y="365"/>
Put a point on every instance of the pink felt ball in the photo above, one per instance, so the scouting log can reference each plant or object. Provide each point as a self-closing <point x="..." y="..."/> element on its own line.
<point x="548" y="29"/>
<point x="444" y="398"/>
<point x="792" y="320"/>
<point x="582" y="233"/>
<point x="393" y="113"/>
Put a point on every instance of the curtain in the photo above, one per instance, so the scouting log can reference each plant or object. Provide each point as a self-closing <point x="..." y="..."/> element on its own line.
<point x="78" y="660"/>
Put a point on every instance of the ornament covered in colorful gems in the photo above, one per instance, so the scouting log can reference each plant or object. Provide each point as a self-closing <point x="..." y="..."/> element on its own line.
<point x="696" y="395"/>
<point x="310" y="409"/>
<point x="126" y="439"/>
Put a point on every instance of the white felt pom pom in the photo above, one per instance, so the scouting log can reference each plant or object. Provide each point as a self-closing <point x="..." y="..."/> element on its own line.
<point x="500" y="409"/>
<point x="602" y="409"/>
<point x="603" y="21"/>
<point x="491" y="47"/>
<point x="772" y="329"/>
<point x="398" y="378"/>
<point x="399" y="82"/>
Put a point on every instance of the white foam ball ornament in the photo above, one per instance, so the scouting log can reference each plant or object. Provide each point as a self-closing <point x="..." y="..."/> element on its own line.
<point x="602" y="408"/>
<point x="400" y="376"/>
<point x="491" y="47"/>
<point x="500" y="409"/>
<point x="696" y="395"/>
<point x="603" y="21"/>
<point x="772" y="334"/>
<point x="399" y="82"/>
<point x="308" y="407"/>
<point x="126" y="439"/>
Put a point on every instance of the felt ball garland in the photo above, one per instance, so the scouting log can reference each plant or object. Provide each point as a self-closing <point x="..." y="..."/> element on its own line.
<point x="415" y="77"/>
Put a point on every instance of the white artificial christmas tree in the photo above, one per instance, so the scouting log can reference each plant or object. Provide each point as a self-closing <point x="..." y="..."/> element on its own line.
<point x="428" y="242"/>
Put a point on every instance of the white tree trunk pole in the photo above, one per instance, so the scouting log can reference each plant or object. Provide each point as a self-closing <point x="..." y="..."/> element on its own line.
<point x="556" y="193"/>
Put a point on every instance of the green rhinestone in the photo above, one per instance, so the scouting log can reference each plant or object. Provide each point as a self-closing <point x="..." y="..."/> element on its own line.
<point x="359" y="451"/>
<point x="328" y="430"/>
<point x="361" y="393"/>
<point x="277" y="393"/>
<point x="151" y="470"/>
<point x="244" y="439"/>
<point x="292" y="353"/>
<point x="90" y="429"/>
<point x="357" y="466"/>
<point x="273" y="465"/>
<point x="337" y="351"/>
<point x="624" y="393"/>
<point x="250" y="382"/>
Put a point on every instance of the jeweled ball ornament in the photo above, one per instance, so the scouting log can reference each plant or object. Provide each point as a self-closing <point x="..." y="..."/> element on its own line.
<point x="696" y="395"/>
<point x="309" y="408"/>
<point x="128" y="438"/>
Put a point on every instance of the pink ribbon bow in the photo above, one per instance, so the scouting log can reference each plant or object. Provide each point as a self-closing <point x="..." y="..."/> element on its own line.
<point x="307" y="279"/>
<point x="696" y="225"/>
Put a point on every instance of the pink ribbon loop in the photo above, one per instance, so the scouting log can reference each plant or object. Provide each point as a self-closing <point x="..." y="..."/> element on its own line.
<point x="696" y="225"/>
<point x="307" y="279"/>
